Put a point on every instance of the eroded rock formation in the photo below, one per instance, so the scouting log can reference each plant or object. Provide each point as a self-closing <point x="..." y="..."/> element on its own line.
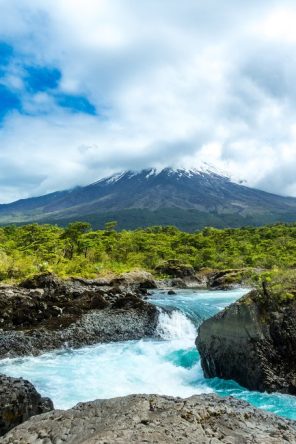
<point x="19" y="400"/>
<point x="46" y="313"/>
<point x="253" y="342"/>
<point x="206" y="419"/>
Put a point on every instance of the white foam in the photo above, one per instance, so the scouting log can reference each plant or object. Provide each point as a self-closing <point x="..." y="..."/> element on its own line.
<point x="116" y="369"/>
<point x="175" y="325"/>
<point x="110" y="370"/>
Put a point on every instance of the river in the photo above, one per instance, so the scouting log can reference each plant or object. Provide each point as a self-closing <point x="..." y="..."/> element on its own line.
<point x="169" y="366"/>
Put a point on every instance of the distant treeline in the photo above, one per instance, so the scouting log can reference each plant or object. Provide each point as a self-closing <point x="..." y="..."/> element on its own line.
<point x="80" y="250"/>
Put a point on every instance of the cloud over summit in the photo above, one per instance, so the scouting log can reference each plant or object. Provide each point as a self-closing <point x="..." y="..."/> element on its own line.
<point x="90" y="87"/>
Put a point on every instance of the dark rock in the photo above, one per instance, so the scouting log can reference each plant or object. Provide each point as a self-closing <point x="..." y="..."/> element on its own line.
<point x="129" y="301"/>
<point x="45" y="280"/>
<point x="178" y="283"/>
<point x="186" y="282"/>
<point x="141" y="280"/>
<point x="186" y="277"/>
<point x="19" y="400"/>
<point x="171" y="292"/>
<point x="226" y="279"/>
<point x="189" y="282"/>
<point x="206" y="419"/>
<point x="100" y="282"/>
<point x="93" y="327"/>
<point x="67" y="313"/>
<point x="252" y="343"/>
<point x="98" y="302"/>
<point x="175" y="269"/>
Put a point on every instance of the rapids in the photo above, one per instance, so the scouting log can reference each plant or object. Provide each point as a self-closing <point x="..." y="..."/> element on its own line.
<point x="168" y="366"/>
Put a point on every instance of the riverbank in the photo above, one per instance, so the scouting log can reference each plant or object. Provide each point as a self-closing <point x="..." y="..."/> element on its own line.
<point x="168" y="365"/>
<point x="46" y="313"/>
<point x="156" y="419"/>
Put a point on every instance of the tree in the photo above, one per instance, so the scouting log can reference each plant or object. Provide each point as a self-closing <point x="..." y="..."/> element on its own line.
<point x="72" y="235"/>
<point x="110" y="226"/>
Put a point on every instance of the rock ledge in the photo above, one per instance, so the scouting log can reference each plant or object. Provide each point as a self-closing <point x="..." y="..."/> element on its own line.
<point x="205" y="419"/>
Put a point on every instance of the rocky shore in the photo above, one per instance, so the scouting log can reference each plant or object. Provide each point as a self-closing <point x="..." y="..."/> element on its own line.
<point x="19" y="400"/>
<point x="205" y="419"/>
<point x="253" y="342"/>
<point x="46" y="313"/>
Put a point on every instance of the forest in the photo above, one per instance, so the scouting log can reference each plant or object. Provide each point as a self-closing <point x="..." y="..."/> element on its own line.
<point x="78" y="250"/>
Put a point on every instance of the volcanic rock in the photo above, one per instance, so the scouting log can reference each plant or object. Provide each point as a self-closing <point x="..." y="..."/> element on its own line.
<point x="206" y="419"/>
<point x="19" y="400"/>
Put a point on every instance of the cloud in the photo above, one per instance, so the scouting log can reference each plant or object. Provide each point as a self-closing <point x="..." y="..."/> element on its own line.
<point x="95" y="86"/>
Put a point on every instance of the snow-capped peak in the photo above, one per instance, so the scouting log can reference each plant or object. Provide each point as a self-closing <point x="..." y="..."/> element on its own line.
<point x="151" y="173"/>
<point x="182" y="172"/>
<point x="115" y="178"/>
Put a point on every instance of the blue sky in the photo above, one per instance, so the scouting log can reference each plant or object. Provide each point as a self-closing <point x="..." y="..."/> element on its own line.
<point x="35" y="79"/>
<point x="91" y="87"/>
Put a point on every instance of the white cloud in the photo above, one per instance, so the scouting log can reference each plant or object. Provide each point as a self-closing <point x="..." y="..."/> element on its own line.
<point x="279" y="25"/>
<point x="174" y="83"/>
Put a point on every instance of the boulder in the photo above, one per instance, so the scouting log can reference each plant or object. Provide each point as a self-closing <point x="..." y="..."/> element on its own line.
<point x="206" y="419"/>
<point x="43" y="280"/>
<point x="19" y="400"/>
<point x="178" y="283"/>
<point x="136" y="279"/>
<point x="226" y="279"/>
<point x="253" y="342"/>
<point x="175" y="269"/>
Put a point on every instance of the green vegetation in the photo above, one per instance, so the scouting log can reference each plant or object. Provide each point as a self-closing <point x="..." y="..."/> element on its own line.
<point x="186" y="220"/>
<point x="275" y="286"/>
<point x="79" y="250"/>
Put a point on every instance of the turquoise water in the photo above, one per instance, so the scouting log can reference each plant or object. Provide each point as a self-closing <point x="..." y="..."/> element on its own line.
<point x="168" y="366"/>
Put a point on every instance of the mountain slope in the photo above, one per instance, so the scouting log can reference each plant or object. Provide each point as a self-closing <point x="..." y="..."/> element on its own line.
<point x="189" y="199"/>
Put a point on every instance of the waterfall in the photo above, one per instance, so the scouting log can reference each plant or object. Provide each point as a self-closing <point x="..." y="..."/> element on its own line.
<point x="175" y="325"/>
<point x="169" y="366"/>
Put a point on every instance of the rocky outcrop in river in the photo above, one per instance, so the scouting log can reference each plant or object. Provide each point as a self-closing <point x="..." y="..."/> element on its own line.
<point x="206" y="419"/>
<point x="46" y="313"/>
<point x="185" y="276"/>
<point x="253" y="342"/>
<point x="226" y="279"/>
<point x="19" y="400"/>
